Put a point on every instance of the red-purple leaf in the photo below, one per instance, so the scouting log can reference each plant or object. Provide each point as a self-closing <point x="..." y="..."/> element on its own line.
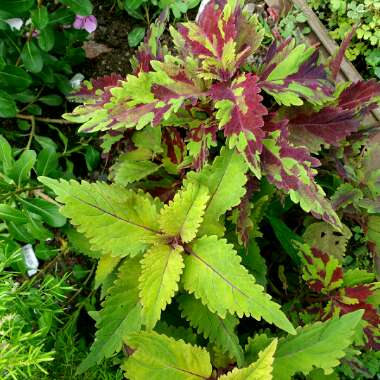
<point x="361" y="96"/>
<point x="291" y="169"/>
<point x="222" y="38"/>
<point x="240" y="114"/>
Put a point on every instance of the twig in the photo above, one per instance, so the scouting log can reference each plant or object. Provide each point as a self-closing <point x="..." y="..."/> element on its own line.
<point x="43" y="119"/>
<point x="32" y="132"/>
<point x="44" y="196"/>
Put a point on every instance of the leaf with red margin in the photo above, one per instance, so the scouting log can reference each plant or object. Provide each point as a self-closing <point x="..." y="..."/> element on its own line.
<point x="291" y="169"/>
<point x="329" y="126"/>
<point x="151" y="49"/>
<point x="321" y="271"/>
<point x="222" y="39"/>
<point x="95" y="88"/>
<point x="362" y="96"/>
<point x="240" y="114"/>
<point x="292" y="74"/>
<point x="148" y="98"/>
<point x="199" y="141"/>
<point x="325" y="275"/>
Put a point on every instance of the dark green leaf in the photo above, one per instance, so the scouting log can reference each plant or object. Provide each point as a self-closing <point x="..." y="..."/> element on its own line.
<point x="11" y="214"/>
<point x="46" y="39"/>
<point x="19" y="232"/>
<point x="61" y="16"/>
<point x="80" y="7"/>
<point x="47" y="161"/>
<point x="136" y="36"/>
<point x="285" y="237"/>
<point x="45" y="252"/>
<point x="92" y="158"/>
<point x="48" y="211"/>
<point x="51" y="100"/>
<point x="6" y="157"/>
<point x="34" y="109"/>
<point x="16" y="7"/>
<point x="14" y="79"/>
<point x="40" y="17"/>
<point x="7" y="105"/>
<point x="36" y="228"/>
<point x="20" y="171"/>
<point x="32" y="58"/>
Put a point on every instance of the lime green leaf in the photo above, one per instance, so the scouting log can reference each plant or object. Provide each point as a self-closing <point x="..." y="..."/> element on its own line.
<point x="260" y="370"/>
<point x="212" y="268"/>
<point x="319" y="345"/>
<point x="127" y="170"/>
<point x="225" y="179"/>
<point x="117" y="221"/>
<point x="106" y="266"/>
<point x="158" y="357"/>
<point x="218" y="330"/>
<point x="161" y="269"/>
<point x="121" y="315"/>
<point x="183" y="215"/>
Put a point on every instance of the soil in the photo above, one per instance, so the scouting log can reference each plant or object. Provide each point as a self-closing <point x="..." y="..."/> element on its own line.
<point x="112" y="31"/>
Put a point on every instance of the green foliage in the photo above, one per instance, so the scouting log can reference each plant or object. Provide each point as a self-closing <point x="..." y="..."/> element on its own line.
<point x="320" y="345"/>
<point x="35" y="70"/>
<point x="208" y="184"/>
<point x="341" y="15"/>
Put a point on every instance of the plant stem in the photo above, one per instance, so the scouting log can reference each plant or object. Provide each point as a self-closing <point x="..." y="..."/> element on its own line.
<point x="43" y="119"/>
<point x="32" y="132"/>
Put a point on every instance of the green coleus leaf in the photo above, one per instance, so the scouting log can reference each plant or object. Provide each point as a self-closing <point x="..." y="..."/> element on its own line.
<point x="183" y="216"/>
<point x="162" y="267"/>
<point x="259" y="370"/>
<point x="121" y="315"/>
<point x="319" y="345"/>
<point x="158" y="356"/>
<point x="220" y="331"/>
<point x="115" y="220"/>
<point x="106" y="266"/>
<point x="225" y="179"/>
<point x="213" y="267"/>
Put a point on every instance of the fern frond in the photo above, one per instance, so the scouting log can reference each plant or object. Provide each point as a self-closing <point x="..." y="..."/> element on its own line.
<point x="158" y="357"/>
<point x="161" y="270"/>
<point x="214" y="274"/>
<point x="116" y="221"/>
<point x="260" y="370"/>
<point x="183" y="215"/>
<point x="319" y="345"/>
<point x="218" y="330"/>
<point x="121" y="315"/>
<point x="225" y="179"/>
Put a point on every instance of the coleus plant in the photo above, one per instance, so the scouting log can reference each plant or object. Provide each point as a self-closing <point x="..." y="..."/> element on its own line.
<point x="198" y="137"/>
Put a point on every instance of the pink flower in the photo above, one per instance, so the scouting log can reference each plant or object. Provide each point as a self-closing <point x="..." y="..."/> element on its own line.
<point x="87" y="23"/>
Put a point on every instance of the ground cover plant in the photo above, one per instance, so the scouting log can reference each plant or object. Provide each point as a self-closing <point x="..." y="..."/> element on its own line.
<point x="341" y="16"/>
<point x="214" y="158"/>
